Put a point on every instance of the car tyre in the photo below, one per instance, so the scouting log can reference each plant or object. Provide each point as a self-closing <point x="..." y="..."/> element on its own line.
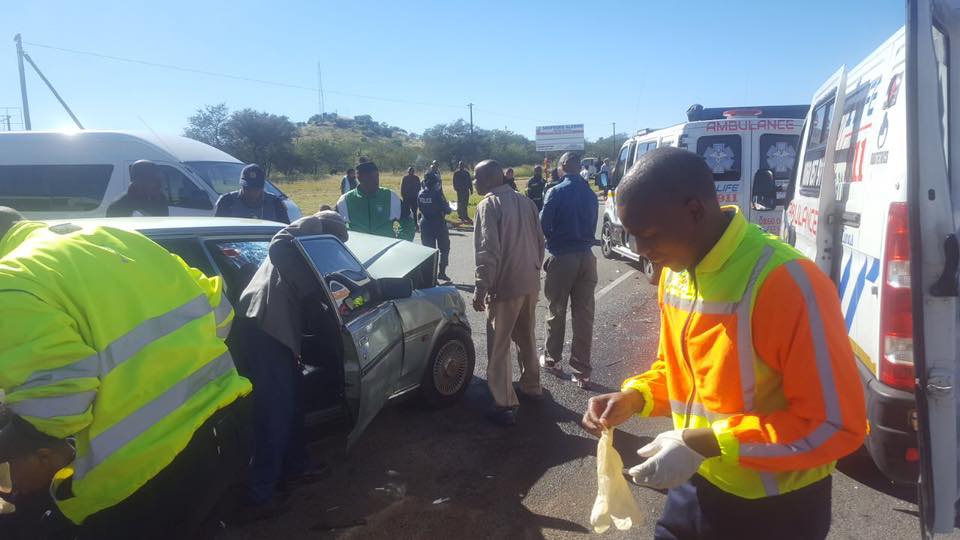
<point x="606" y="241"/>
<point x="450" y="368"/>
<point x="651" y="270"/>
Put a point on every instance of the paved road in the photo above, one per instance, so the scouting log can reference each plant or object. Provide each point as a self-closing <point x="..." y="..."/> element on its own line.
<point x="419" y="473"/>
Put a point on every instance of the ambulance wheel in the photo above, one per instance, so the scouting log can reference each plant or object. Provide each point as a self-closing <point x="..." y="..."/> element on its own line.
<point x="606" y="241"/>
<point x="651" y="270"/>
<point x="449" y="369"/>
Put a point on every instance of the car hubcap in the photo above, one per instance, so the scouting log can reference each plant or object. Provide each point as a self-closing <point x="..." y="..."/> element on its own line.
<point x="647" y="267"/>
<point x="450" y="368"/>
<point x="605" y="237"/>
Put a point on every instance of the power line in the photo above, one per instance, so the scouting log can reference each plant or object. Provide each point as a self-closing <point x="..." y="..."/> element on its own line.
<point x="240" y="77"/>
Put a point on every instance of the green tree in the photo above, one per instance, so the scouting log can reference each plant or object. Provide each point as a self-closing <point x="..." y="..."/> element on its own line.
<point x="606" y="147"/>
<point x="264" y="138"/>
<point x="207" y="126"/>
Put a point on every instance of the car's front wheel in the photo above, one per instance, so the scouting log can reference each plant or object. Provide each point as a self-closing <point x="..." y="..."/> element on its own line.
<point x="450" y="369"/>
<point x="651" y="270"/>
<point x="606" y="240"/>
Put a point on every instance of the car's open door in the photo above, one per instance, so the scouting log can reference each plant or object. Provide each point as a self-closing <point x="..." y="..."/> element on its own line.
<point x="814" y="200"/>
<point x="932" y="179"/>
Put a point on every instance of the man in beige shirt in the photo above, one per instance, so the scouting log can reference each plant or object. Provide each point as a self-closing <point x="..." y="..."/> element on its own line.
<point x="509" y="254"/>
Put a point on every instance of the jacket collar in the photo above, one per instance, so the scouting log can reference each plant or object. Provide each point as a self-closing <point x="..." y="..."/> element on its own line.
<point x="501" y="189"/>
<point x="724" y="248"/>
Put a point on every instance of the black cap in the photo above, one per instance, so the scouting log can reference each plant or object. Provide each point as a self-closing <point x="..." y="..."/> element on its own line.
<point x="19" y="438"/>
<point x="431" y="179"/>
<point x="144" y="170"/>
<point x="253" y="176"/>
<point x="366" y="166"/>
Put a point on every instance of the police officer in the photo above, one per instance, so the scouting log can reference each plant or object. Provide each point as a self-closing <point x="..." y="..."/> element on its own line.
<point x="433" y="220"/>
<point x="128" y="404"/>
<point x="252" y="200"/>
<point x="535" y="187"/>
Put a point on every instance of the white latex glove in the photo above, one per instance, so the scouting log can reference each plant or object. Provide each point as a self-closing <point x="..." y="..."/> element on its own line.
<point x="614" y="504"/>
<point x="670" y="462"/>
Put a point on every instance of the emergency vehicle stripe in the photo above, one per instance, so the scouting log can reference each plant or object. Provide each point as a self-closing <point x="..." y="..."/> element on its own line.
<point x="834" y="421"/>
<point x="123" y="432"/>
<point x="745" y="351"/>
<point x="697" y="409"/>
<point x="124" y="347"/>
<point x="53" y="407"/>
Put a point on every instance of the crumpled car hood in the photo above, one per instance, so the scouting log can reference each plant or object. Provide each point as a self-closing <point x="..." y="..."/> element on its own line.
<point x="388" y="257"/>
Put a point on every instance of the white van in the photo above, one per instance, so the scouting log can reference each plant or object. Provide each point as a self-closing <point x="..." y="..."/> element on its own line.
<point x="71" y="174"/>
<point x="737" y="143"/>
<point x="874" y="205"/>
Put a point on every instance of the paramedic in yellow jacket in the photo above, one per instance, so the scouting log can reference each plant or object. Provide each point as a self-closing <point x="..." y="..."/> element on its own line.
<point x="126" y="400"/>
<point x="754" y="366"/>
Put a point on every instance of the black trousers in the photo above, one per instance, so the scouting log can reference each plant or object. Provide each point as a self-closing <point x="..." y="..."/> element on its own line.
<point x="700" y="510"/>
<point x="437" y="236"/>
<point x="463" y="202"/>
<point x="191" y="496"/>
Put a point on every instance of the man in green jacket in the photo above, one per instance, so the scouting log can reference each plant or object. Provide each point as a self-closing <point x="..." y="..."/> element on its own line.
<point x="372" y="209"/>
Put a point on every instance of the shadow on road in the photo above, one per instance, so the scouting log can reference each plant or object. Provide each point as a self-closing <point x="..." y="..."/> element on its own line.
<point x="860" y="467"/>
<point x="470" y="480"/>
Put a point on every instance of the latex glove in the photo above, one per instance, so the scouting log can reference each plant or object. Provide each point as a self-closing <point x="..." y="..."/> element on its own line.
<point x="614" y="504"/>
<point x="670" y="462"/>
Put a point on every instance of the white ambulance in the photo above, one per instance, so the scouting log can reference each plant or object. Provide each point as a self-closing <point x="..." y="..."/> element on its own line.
<point x="739" y="144"/>
<point x="875" y="204"/>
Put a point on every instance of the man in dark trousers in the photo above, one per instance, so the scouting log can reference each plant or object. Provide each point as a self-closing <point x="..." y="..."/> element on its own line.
<point x="144" y="196"/>
<point x="433" y="222"/>
<point x="252" y="200"/>
<point x="409" y="191"/>
<point x="464" y="188"/>
<point x="569" y="220"/>
<point x="275" y="301"/>
<point x="535" y="187"/>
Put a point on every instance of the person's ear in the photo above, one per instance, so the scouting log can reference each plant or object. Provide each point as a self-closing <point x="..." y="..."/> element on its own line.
<point x="695" y="209"/>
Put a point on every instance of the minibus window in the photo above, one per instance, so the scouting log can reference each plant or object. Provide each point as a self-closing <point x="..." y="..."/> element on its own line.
<point x="53" y="188"/>
<point x="723" y="155"/>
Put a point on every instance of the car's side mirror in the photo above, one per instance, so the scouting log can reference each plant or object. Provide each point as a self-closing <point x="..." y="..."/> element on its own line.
<point x="764" y="194"/>
<point x="394" y="288"/>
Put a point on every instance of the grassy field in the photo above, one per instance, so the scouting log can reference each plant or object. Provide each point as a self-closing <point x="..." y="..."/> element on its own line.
<point x="311" y="192"/>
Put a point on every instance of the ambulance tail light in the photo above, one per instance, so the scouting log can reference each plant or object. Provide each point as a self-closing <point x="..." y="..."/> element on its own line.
<point x="896" y="303"/>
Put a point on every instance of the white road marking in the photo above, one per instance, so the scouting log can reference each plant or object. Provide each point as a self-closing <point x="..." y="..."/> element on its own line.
<point x="602" y="292"/>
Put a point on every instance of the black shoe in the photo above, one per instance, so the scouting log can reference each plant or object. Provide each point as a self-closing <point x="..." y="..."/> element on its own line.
<point x="527" y="396"/>
<point x="442" y="276"/>
<point x="582" y="382"/>
<point x="312" y="475"/>
<point x="503" y="417"/>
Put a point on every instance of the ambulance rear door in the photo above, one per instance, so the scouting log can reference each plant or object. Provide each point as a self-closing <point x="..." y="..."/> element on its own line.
<point x="722" y="145"/>
<point x="774" y="146"/>
<point x="933" y="38"/>
<point x="813" y="208"/>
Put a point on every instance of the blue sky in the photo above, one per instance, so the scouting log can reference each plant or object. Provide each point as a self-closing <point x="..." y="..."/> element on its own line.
<point x="636" y="63"/>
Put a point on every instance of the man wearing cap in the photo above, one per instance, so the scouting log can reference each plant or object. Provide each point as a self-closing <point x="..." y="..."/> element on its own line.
<point x="252" y="201"/>
<point x="433" y="221"/>
<point x="144" y="196"/>
<point x="129" y="409"/>
<point x="373" y="209"/>
<point x="275" y="303"/>
<point x="435" y="169"/>
<point x="463" y="185"/>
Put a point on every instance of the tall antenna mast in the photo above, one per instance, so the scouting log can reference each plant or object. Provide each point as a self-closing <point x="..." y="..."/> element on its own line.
<point x="320" y="88"/>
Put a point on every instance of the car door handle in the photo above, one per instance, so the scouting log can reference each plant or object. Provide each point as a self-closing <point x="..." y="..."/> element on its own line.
<point x="946" y="285"/>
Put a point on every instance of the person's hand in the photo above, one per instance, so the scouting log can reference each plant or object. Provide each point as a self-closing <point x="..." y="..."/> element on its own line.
<point x="607" y="411"/>
<point x="670" y="462"/>
<point x="480" y="301"/>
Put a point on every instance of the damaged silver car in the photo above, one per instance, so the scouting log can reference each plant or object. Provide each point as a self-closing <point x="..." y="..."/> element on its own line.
<point x="390" y="330"/>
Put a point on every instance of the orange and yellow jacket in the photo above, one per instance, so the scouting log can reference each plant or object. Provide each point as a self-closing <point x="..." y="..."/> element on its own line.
<point x="753" y="345"/>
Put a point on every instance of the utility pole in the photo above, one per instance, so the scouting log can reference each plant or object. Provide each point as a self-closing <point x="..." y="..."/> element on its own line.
<point x="470" y="105"/>
<point x="53" y="90"/>
<point x="615" y="149"/>
<point x="23" y="83"/>
<point x="320" y="88"/>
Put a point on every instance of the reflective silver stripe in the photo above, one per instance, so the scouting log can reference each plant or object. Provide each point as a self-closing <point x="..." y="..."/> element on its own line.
<point x="54" y="406"/>
<point x="831" y="400"/>
<point x="150" y="330"/>
<point x="699" y="306"/>
<point x="223" y="310"/>
<point x="748" y="382"/>
<point x="770" y="486"/>
<point x="87" y="368"/>
<point x="123" y="432"/>
<point x="697" y="409"/>
<point x="124" y="347"/>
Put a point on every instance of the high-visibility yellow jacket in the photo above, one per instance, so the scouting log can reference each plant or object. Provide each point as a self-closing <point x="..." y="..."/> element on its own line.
<point x="108" y="338"/>
<point x="753" y="344"/>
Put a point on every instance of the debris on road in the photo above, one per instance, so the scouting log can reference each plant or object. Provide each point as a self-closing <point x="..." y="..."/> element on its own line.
<point x="441" y="500"/>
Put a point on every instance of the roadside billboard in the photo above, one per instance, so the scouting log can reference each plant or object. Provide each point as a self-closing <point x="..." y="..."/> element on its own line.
<point x="560" y="138"/>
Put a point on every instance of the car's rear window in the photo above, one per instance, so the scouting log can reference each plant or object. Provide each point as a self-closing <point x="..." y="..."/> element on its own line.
<point x="52" y="188"/>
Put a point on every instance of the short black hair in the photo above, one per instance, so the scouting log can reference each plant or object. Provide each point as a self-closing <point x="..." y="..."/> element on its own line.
<point x="350" y="170"/>
<point x="366" y="166"/>
<point x="143" y="169"/>
<point x="673" y="172"/>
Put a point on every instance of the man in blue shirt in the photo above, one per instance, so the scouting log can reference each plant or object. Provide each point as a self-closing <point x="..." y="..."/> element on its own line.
<point x="569" y="221"/>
